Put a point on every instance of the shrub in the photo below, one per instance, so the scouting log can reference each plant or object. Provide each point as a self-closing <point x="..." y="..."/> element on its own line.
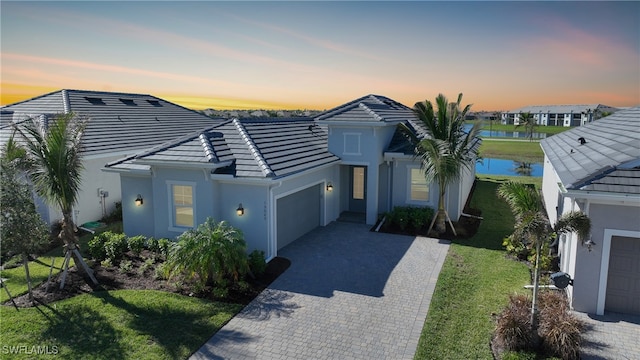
<point x="256" y="263"/>
<point x="96" y="246"/>
<point x="115" y="245"/>
<point x="513" y="327"/>
<point x="214" y="253"/>
<point x="136" y="244"/>
<point x="405" y="217"/>
<point x="126" y="266"/>
<point x="148" y="264"/>
<point x="420" y="217"/>
<point x="560" y="331"/>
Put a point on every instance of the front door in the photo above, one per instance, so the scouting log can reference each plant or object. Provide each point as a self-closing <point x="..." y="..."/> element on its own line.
<point x="358" y="189"/>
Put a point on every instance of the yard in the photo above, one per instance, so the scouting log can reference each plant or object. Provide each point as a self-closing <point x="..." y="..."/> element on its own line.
<point x="474" y="283"/>
<point x="518" y="150"/>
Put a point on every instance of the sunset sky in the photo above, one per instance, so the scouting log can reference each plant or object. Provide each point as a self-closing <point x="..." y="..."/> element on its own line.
<point x="317" y="55"/>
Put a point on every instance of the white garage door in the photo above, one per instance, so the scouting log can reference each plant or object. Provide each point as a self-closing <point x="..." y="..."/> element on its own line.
<point x="623" y="282"/>
<point x="298" y="214"/>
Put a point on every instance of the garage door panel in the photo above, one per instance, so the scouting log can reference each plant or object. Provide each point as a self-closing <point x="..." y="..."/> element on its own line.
<point x="297" y="214"/>
<point x="623" y="280"/>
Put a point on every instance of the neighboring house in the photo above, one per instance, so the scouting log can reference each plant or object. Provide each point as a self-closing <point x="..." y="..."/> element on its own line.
<point x="595" y="168"/>
<point x="559" y="115"/>
<point x="119" y="125"/>
<point x="277" y="179"/>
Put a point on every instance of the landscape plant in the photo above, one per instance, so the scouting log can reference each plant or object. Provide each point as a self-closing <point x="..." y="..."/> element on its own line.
<point x="22" y="230"/>
<point x="446" y="150"/>
<point x="212" y="254"/>
<point x="529" y="122"/>
<point x="54" y="152"/>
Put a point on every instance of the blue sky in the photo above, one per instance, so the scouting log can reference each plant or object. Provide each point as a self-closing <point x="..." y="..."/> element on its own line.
<point x="317" y="55"/>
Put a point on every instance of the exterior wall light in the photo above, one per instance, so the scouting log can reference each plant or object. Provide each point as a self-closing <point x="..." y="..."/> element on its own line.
<point x="590" y="244"/>
<point x="139" y="200"/>
<point x="329" y="187"/>
<point x="240" y="210"/>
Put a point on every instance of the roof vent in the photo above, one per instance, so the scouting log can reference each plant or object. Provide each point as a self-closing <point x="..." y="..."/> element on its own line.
<point x="582" y="141"/>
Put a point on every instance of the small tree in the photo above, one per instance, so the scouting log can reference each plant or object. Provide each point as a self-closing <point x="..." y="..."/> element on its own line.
<point x="22" y="230"/>
<point x="534" y="228"/>
<point x="529" y="122"/>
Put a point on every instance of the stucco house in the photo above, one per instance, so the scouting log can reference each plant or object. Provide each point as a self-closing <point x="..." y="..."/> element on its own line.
<point x="277" y="179"/>
<point x="120" y="124"/>
<point x="595" y="168"/>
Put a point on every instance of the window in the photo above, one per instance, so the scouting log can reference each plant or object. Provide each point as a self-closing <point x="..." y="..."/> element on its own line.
<point x="358" y="183"/>
<point x="418" y="187"/>
<point x="182" y="205"/>
<point x="352" y="144"/>
<point x="128" y="102"/>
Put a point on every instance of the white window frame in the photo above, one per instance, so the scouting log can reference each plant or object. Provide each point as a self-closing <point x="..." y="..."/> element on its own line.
<point x="355" y="137"/>
<point x="171" y="205"/>
<point x="409" y="200"/>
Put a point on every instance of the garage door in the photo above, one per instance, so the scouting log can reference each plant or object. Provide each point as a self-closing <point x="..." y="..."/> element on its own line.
<point x="297" y="214"/>
<point x="623" y="282"/>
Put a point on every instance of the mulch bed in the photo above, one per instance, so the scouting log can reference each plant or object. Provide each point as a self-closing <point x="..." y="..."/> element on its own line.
<point x="113" y="278"/>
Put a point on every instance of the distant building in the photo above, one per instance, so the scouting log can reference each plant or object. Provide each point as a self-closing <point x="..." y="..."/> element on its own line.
<point x="559" y="115"/>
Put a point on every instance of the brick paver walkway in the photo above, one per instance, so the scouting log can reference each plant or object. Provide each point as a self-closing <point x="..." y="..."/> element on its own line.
<point x="349" y="294"/>
<point x="612" y="337"/>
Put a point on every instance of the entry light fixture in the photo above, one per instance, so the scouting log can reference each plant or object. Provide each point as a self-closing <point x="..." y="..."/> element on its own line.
<point x="590" y="244"/>
<point x="139" y="200"/>
<point x="329" y="187"/>
<point x="240" y="210"/>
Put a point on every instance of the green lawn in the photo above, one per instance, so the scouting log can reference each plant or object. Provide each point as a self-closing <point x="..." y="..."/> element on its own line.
<point x="123" y="324"/>
<point x="475" y="282"/>
<point x="520" y="150"/>
<point x="549" y="130"/>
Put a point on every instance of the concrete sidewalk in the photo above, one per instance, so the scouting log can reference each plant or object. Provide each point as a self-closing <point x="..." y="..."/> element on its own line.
<point x="349" y="294"/>
<point x="611" y="336"/>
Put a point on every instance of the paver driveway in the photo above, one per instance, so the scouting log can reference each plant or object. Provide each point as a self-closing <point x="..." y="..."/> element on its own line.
<point x="349" y="294"/>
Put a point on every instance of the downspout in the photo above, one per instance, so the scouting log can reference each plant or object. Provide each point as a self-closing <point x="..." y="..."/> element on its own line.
<point x="389" y="187"/>
<point x="272" y="245"/>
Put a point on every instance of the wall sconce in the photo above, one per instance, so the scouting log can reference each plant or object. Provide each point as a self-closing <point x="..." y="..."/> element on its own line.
<point x="240" y="210"/>
<point x="139" y="200"/>
<point x="590" y="244"/>
<point x="329" y="187"/>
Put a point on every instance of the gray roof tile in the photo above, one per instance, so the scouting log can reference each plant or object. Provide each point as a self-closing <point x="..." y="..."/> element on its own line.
<point x="610" y="143"/>
<point x="370" y="108"/>
<point x="118" y="121"/>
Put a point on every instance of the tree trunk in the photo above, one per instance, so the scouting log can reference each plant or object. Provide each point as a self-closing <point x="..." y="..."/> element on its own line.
<point x="25" y="261"/>
<point x="534" y="301"/>
<point x="441" y="225"/>
<point x="68" y="236"/>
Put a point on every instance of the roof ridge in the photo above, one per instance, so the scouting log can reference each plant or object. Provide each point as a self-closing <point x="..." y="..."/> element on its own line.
<point x="244" y="135"/>
<point x="66" y="105"/>
<point x="208" y="148"/>
<point x="371" y="112"/>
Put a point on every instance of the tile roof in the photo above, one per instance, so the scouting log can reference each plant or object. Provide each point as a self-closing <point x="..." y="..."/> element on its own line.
<point x="609" y="159"/>
<point x="257" y="148"/>
<point x="370" y="108"/>
<point x="119" y="122"/>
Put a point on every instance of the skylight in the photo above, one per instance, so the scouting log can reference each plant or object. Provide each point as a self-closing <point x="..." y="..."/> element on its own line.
<point x="154" y="102"/>
<point x="95" y="101"/>
<point x="128" y="102"/>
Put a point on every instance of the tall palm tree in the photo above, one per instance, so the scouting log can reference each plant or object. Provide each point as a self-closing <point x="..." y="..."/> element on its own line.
<point x="532" y="225"/>
<point x="446" y="150"/>
<point x="529" y="122"/>
<point x="55" y="154"/>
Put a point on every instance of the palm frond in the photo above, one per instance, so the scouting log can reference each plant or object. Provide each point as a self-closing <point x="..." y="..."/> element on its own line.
<point x="574" y="221"/>
<point x="521" y="198"/>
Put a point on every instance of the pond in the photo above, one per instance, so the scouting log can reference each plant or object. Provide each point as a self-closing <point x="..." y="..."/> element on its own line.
<point x="490" y="166"/>
<point x="505" y="134"/>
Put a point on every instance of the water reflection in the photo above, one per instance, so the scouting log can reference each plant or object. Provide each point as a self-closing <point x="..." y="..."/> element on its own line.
<point x="491" y="166"/>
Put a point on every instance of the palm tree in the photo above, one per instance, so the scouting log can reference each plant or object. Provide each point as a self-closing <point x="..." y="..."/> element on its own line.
<point x="534" y="228"/>
<point x="54" y="151"/>
<point x="529" y="122"/>
<point x="446" y="150"/>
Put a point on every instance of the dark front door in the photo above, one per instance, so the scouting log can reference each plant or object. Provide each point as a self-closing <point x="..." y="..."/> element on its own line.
<point x="358" y="189"/>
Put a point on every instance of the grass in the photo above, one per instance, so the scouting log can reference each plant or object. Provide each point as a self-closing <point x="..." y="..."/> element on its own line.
<point x="474" y="283"/>
<point x="549" y="130"/>
<point x="122" y="324"/>
<point x="16" y="280"/>
<point x="520" y="150"/>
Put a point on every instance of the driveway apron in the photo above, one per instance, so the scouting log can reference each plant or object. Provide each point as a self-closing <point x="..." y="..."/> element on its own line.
<point x="349" y="294"/>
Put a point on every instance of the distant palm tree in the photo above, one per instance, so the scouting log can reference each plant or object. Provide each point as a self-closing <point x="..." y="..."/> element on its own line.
<point x="533" y="227"/>
<point x="523" y="168"/>
<point x="54" y="151"/>
<point x="529" y="122"/>
<point x="446" y="150"/>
